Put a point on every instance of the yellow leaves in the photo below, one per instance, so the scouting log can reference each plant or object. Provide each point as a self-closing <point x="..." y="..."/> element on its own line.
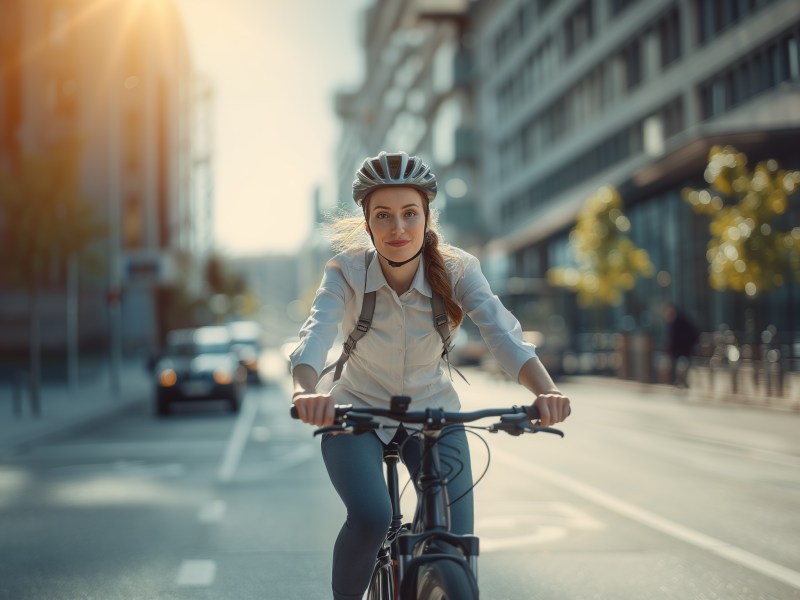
<point x="608" y="262"/>
<point x="745" y="252"/>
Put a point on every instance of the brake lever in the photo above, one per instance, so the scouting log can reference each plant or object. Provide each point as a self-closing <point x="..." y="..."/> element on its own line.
<point x="333" y="429"/>
<point x="518" y="424"/>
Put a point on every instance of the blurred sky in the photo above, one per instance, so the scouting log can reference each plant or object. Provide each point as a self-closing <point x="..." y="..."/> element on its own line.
<point x="274" y="65"/>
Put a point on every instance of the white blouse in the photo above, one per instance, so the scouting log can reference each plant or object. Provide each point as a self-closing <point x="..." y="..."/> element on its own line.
<point x="401" y="353"/>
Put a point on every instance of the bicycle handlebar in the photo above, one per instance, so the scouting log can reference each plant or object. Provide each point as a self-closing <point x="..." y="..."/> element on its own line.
<point x="514" y="420"/>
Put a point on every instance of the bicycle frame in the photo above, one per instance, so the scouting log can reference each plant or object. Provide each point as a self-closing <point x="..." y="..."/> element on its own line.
<point x="431" y="524"/>
<point x="429" y="539"/>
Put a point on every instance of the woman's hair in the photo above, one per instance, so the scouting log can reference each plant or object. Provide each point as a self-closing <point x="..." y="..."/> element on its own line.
<point x="436" y="274"/>
<point x="347" y="233"/>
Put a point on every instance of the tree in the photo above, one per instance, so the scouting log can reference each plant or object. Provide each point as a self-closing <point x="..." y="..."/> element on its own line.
<point x="607" y="261"/>
<point x="45" y="222"/>
<point x="746" y="252"/>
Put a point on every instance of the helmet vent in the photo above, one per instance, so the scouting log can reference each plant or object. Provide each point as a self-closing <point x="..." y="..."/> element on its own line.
<point x="394" y="163"/>
<point x="376" y="164"/>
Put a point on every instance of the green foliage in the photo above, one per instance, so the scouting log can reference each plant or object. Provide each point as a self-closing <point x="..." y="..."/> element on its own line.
<point x="44" y="219"/>
<point x="608" y="262"/>
<point x="746" y="253"/>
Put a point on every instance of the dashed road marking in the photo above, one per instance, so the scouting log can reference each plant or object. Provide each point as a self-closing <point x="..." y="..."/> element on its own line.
<point x="238" y="439"/>
<point x="211" y="512"/>
<point x="196" y="573"/>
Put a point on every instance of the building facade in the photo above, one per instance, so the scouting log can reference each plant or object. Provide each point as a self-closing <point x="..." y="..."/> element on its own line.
<point x="575" y="95"/>
<point x="116" y="75"/>
<point x="526" y="107"/>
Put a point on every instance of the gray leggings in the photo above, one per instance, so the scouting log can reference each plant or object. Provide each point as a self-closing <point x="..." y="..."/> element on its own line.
<point x="355" y="466"/>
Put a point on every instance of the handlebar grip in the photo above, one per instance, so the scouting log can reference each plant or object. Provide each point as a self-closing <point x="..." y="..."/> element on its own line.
<point x="341" y="409"/>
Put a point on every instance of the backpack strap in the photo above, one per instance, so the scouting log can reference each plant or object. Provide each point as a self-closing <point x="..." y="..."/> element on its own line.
<point x="362" y="327"/>
<point x="360" y="330"/>
<point x="441" y="323"/>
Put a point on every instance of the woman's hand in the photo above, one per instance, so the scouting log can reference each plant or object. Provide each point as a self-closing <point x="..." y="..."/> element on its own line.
<point x="314" y="409"/>
<point x="553" y="407"/>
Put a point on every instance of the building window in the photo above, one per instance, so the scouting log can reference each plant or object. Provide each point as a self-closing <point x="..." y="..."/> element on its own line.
<point x="716" y="16"/>
<point x="632" y="59"/>
<point x="673" y="117"/>
<point x="762" y="70"/>
<point x="669" y="37"/>
<point x="578" y="28"/>
<point x="618" y="6"/>
<point x="132" y="142"/>
<point x="132" y="222"/>
<point x="614" y="149"/>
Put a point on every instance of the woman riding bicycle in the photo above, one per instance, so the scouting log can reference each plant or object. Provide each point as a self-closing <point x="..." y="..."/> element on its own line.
<point x="402" y="352"/>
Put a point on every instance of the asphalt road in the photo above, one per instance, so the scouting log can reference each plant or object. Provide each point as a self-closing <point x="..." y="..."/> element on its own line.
<point x="647" y="496"/>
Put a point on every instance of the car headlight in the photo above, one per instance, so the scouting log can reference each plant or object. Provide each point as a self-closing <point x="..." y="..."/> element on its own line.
<point x="223" y="376"/>
<point x="167" y="378"/>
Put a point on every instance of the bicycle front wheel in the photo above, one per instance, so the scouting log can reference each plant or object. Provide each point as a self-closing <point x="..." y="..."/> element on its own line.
<point x="446" y="579"/>
<point x="381" y="585"/>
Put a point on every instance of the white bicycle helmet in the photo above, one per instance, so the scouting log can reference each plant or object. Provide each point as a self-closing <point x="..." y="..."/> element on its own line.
<point x="393" y="169"/>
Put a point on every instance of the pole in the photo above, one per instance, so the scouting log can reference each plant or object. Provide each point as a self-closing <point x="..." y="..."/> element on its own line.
<point x="115" y="239"/>
<point x="72" y="326"/>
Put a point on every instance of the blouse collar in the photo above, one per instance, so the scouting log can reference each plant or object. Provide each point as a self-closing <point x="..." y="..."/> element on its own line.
<point x="376" y="279"/>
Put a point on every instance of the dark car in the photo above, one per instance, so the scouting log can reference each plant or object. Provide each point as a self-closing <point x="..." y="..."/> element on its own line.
<point x="246" y="337"/>
<point x="199" y="364"/>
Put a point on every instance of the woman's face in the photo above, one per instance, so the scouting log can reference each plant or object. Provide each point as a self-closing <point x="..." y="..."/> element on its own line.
<point x="396" y="219"/>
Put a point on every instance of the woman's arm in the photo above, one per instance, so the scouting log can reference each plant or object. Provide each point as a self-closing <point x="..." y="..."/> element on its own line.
<point x="313" y="408"/>
<point x="305" y="380"/>
<point x="553" y="406"/>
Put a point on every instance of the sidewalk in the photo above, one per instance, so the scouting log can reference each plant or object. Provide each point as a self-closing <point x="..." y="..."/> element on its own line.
<point x="61" y="412"/>
<point x="701" y="394"/>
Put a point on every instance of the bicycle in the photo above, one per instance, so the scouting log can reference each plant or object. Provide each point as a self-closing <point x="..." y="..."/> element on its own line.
<point x="424" y="560"/>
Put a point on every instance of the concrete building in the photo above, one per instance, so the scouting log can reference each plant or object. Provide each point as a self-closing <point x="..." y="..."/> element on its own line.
<point x="118" y="75"/>
<point x="577" y="94"/>
<point x="526" y="107"/>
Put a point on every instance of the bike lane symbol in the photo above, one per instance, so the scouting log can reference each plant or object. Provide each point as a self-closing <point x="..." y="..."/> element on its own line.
<point x="518" y="524"/>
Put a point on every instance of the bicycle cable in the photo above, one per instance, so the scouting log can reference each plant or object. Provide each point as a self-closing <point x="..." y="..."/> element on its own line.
<point x="415" y="434"/>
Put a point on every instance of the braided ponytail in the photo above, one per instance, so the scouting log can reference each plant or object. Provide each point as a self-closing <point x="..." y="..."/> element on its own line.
<point x="436" y="274"/>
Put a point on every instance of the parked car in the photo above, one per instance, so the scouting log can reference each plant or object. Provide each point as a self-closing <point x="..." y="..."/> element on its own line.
<point x="199" y="364"/>
<point x="246" y="337"/>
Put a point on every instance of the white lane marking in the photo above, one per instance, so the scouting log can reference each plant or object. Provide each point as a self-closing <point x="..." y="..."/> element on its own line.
<point x="675" y="530"/>
<point x="196" y="573"/>
<point x="211" y="512"/>
<point x="238" y="439"/>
